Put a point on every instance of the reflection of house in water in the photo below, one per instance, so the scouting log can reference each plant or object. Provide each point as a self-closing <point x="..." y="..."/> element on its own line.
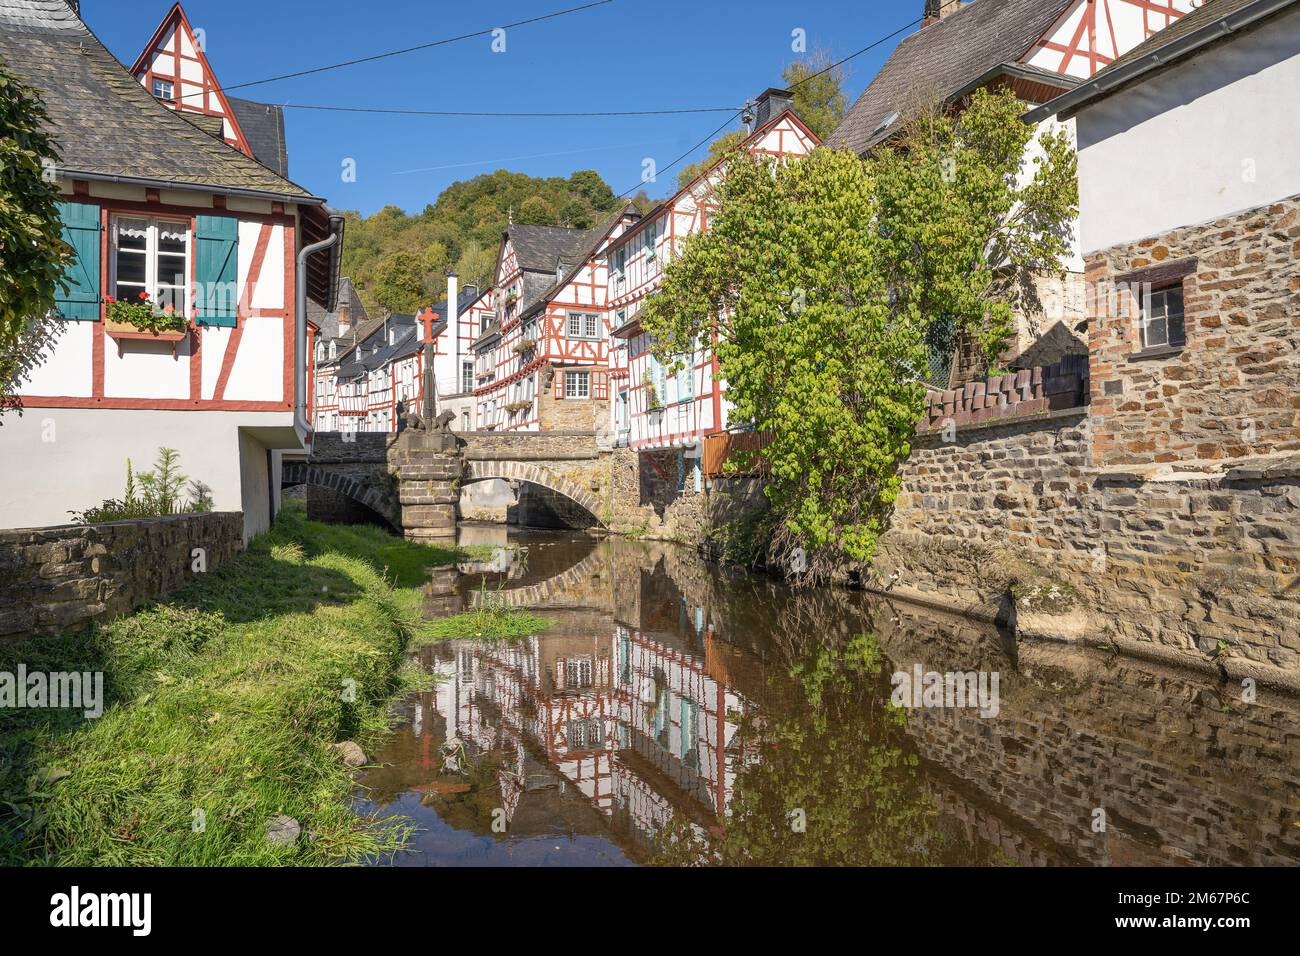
<point x="630" y="710"/>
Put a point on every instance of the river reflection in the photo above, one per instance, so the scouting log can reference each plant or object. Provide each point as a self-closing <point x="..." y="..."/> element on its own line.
<point x="678" y="713"/>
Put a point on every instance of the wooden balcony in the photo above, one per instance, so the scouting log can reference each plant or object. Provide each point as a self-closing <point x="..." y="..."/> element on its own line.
<point x="719" y="448"/>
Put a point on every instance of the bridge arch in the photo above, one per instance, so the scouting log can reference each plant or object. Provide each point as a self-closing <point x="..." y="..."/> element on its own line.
<point x="483" y="470"/>
<point x="361" y="491"/>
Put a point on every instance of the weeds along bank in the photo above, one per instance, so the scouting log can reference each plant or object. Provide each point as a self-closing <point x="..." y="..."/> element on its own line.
<point x="220" y="707"/>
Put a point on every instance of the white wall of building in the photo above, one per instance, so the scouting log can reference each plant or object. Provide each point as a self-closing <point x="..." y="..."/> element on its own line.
<point x="67" y="459"/>
<point x="1213" y="135"/>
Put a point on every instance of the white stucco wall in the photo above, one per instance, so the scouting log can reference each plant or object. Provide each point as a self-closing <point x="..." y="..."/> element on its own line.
<point x="1214" y="135"/>
<point x="60" y="459"/>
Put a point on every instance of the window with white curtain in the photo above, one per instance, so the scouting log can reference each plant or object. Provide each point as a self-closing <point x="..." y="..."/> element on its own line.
<point x="152" y="256"/>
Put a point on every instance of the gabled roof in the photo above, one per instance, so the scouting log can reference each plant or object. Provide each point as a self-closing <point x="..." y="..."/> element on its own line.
<point x="1210" y="23"/>
<point x="106" y="125"/>
<point x="671" y="201"/>
<point x="568" y="267"/>
<point x="943" y="60"/>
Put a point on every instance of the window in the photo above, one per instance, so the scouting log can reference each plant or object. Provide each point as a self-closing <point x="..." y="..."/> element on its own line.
<point x="577" y="673"/>
<point x="467" y="376"/>
<point x="585" y="734"/>
<point x="651" y="237"/>
<point x="584" y="325"/>
<point x="1162" y="318"/>
<point x="152" y="256"/>
<point x="577" y="384"/>
<point x="163" y="90"/>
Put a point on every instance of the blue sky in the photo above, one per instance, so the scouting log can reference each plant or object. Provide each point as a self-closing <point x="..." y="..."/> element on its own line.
<point x="625" y="55"/>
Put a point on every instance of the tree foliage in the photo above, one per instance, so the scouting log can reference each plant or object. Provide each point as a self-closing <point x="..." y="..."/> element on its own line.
<point x="32" y="254"/>
<point x="820" y="281"/>
<point x="818" y="89"/>
<point x="399" y="261"/>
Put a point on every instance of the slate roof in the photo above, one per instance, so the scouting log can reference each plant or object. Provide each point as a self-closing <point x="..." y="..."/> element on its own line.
<point x="105" y="123"/>
<point x="263" y="126"/>
<point x="943" y="59"/>
<point x="537" y="248"/>
<point x="569" y="265"/>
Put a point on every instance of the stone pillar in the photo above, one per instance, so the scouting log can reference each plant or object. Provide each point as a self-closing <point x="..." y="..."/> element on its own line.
<point x="428" y="467"/>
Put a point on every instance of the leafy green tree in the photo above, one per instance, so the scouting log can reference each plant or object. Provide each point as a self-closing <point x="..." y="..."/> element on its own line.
<point x="819" y="283"/>
<point x="536" y="211"/>
<point x="466" y="220"/>
<point x="399" y="284"/>
<point x="33" y="257"/>
<point x="818" y="92"/>
<point x="477" y="265"/>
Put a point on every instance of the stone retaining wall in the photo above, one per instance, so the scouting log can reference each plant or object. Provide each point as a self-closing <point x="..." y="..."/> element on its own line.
<point x="1012" y="520"/>
<point x="55" y="579"/>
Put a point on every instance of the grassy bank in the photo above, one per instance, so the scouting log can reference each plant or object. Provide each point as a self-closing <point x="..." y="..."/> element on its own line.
<point x="221" y="704"/>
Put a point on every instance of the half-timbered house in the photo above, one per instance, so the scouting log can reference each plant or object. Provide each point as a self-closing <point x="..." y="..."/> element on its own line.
<point x="541" y="362"/>
<point x="664" y="415"/>
<point x="153" y="205"/>
<point x="374" y="371"/>
<point x="174" y="68"/>
<point x="1039" y="49"/>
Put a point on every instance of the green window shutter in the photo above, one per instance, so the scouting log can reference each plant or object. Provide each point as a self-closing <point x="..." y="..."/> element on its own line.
<point x="81" y="230"/>
<point x="216" y="264"/>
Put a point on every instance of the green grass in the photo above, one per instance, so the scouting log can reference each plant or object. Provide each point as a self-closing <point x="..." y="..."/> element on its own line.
<point x="489" y="622"/>
<point x="224" y="698"/>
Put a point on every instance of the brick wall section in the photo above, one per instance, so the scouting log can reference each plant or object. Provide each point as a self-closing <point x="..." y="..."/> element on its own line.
<point x="56" y="579"/>
<point x="1231" y="391"/>
<point x="1014" y="395"/>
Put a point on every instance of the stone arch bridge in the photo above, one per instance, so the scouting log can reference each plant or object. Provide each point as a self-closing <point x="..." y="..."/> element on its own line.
<point x="413" y="479"/>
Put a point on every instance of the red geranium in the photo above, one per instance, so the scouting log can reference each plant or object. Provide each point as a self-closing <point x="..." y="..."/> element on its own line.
<point x="144" y="295"/>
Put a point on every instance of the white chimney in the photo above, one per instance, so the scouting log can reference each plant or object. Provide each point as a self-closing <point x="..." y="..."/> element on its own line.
<point x="453" y="330"/>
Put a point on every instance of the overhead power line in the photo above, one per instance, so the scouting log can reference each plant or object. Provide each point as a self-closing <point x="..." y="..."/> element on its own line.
<point x="488" y="31"/>
<point x="496" y="113"/>
<point x="709" y="138"/>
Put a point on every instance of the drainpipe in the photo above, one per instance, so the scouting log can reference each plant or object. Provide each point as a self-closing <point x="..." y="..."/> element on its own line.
<point x="300" y="422"/>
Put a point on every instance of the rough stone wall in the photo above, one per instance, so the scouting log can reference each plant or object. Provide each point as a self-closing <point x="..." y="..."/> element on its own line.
<point x="647" y="501"/>
<point x="54" y="579"/>
<point x="1012" y="515"/>
<point x="567" y="414"/>
<point x="1230" y="392"/>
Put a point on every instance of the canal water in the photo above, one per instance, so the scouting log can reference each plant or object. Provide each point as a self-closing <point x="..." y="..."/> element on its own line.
<point x="677" y="712"/>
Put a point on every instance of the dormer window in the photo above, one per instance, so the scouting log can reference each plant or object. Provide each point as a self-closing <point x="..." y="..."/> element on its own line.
<point x="163" y="90"/>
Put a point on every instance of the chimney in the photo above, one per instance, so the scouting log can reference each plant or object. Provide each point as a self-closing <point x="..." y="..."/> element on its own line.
<point x="453" y="326"/>
<point x="771" y="104"/>
<point x="936" y="10"/>
<point x="344" y="312"/>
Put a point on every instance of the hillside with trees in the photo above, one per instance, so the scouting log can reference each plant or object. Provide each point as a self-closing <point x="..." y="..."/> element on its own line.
<point x="399" y="261"/>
